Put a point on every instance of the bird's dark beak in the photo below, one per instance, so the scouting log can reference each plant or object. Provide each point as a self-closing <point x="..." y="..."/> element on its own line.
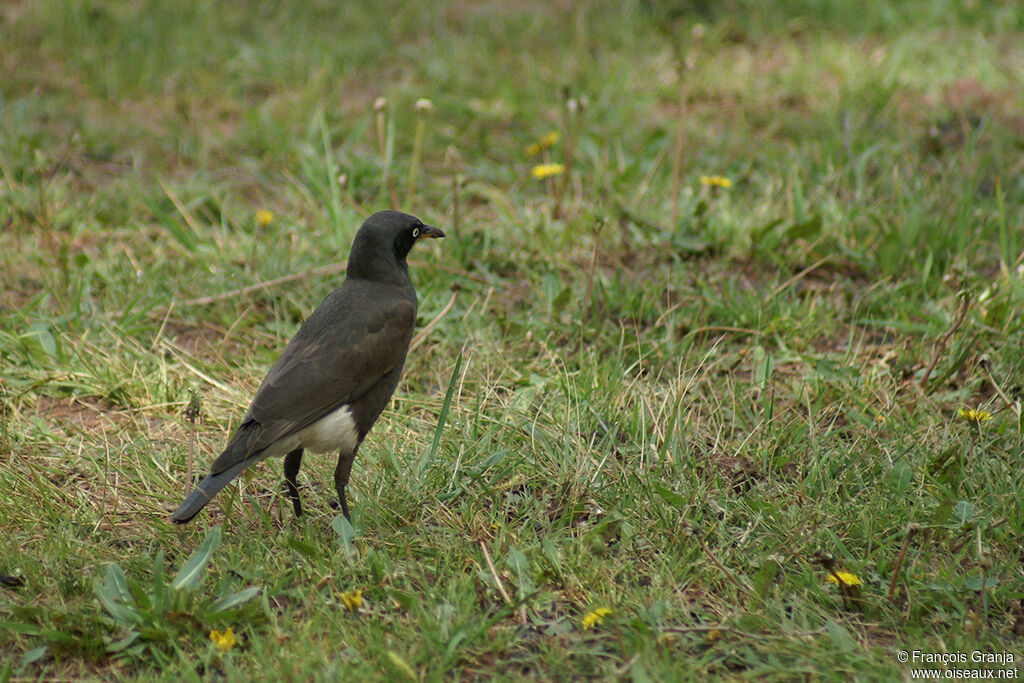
<point x="432" y="232"/>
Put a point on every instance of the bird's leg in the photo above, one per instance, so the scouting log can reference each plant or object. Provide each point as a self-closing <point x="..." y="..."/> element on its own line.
<point x="341" y="473"/>
<point x="292" y="462"/>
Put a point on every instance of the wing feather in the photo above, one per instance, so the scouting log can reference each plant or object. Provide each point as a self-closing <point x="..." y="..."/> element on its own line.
<point x="345" y="347"/>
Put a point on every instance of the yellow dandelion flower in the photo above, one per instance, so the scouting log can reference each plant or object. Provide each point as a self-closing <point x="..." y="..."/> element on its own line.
<point x="594" y="618"/>
<point x="546" y="142"/>
<point x="542" y="171"/>
<point x="549" y="140"/>
<point x="716" y="181"/>
<point x="848" y="578"/>
<point x="264" y="218"/>
<point x="224" y="641"/>
<point x="353" y="599"/>
<point x="975" y="416"/>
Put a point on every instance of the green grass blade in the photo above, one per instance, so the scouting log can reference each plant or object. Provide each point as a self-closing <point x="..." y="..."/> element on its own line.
<point x="189" y="576"/>
<point x="428" y="458"/>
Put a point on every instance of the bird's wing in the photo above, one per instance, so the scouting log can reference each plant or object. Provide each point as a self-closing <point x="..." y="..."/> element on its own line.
<point x="342" y="350"/>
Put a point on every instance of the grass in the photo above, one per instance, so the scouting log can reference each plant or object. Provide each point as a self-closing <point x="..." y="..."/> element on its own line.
<point x="687" y="423"/>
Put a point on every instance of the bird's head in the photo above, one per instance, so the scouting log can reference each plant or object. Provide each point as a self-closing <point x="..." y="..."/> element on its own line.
<point x="383" y="242"/>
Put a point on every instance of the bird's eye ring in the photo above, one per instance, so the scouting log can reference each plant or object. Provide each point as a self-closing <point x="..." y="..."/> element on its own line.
<point x="415" y="232"/>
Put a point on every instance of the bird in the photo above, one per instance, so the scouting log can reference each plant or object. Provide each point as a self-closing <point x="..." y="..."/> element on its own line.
<point x="337" y="374"/>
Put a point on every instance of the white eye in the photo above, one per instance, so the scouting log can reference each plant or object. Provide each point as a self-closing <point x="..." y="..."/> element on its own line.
<point x="415" y="233"/>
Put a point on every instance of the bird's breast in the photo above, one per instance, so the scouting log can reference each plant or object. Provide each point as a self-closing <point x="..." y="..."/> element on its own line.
<point x="335" y="431"/>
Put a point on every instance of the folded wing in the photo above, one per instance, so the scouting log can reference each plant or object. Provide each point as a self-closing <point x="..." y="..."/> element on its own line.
<point x="341" y="351"/>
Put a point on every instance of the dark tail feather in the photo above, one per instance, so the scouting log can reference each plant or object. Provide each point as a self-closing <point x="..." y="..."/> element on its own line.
<point x="205" y="492"/>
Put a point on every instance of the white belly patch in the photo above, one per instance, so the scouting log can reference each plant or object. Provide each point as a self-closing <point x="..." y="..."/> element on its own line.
<point x="333" y="432"/>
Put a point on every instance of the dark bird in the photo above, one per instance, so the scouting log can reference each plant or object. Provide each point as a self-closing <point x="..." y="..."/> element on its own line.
<point x="337" y="374"/>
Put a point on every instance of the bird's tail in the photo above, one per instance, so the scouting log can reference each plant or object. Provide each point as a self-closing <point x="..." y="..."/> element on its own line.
<point x="204" y="493"/>
<point x="238" y="455"/>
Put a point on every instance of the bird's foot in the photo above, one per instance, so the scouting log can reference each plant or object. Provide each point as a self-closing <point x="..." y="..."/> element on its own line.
<point x="291" y="489"/>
